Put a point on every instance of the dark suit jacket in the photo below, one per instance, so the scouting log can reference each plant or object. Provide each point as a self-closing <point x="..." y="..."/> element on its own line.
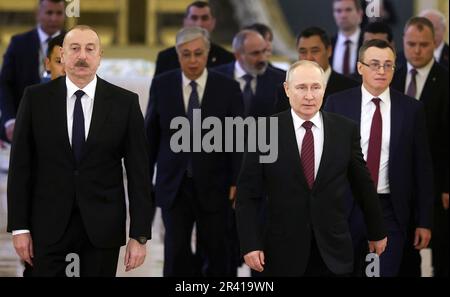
<point x="333" y="44"/>
<point x="265" y="100"/>
<point x="336" y="83"/>
<point x="168" y="59"/>
<point x="410" y="171"/>
<point x="213" y="173"/>
<point x="44" y="180"/>
<point x="435" y="97"/>
<point x="20" y="69"/>
<point x="294" y="210"/>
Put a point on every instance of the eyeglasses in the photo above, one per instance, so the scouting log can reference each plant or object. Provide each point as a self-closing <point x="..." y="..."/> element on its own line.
<point x="387" y="67"/>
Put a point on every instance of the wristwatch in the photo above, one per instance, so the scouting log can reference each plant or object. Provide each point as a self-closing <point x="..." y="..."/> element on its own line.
<point x="141" y="239"/>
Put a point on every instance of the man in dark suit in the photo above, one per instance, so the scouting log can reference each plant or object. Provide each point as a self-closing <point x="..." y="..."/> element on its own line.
<point x="192" y="186"/>
<point x="65" y="184"/>
<point x="427" y="81"/>
<point x="198" y="14"/>
<point x="348" y="17"/>
<point x="258" y="84"/>
<point x="394" y="144"/>
<point x="53" y="64"/>
<point x="313" y="44"/>
<point x="267" y="33"/>
<point x="23" y="62"/>
<point x="318" y="155"/>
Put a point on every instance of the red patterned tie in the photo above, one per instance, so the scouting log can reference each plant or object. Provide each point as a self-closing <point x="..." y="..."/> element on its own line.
<point x="374" y="151"/>
<point x="307" y="154"/>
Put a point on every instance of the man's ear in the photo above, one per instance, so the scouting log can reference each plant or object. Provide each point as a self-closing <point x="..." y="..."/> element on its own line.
<point x="359" y="66"/>
<point x="286" y="88"/>
<point x="47" y="64"/>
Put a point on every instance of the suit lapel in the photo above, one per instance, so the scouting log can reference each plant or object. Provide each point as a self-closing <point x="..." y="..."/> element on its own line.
<point x="396" y="124"/>
<point x="328" y="140"/>
<point x="429" y="86"/>
<point x="60" y="112"/>
<point x="289" y="141"/>
<point x="100" y="112"/>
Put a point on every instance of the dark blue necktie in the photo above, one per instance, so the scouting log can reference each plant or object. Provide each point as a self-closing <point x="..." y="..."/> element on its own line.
<point x="247" y="93"/>
<point x="78" y="133"/>
<point x="192" y="104"/>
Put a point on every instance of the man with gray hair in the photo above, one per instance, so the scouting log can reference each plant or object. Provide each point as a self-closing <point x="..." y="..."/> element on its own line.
<point x="439" y="22"/>
<point x="192" y="187"/>
<point x="198" y="14"/>
<point x="258" y="84"/>
<point x="306" y="232"/>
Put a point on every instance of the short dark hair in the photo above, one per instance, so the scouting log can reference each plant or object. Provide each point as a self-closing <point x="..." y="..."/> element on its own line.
<point x="420" y="23"/>
<point x="198" y="4"/>
<point x="261" y="29"/>
<point x="357" y="4"/>
<point x="55" y="41"/>
<point x="374" y="43"/>
<point x="379" y="28"/>
<point x="315" y="31"/>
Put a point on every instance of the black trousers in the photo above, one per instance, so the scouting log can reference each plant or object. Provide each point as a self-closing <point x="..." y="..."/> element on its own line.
<point x="50" y="260"/>
<point x="211" y="231"/>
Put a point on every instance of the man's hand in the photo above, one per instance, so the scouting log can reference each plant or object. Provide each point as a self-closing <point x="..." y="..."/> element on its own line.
<point x="422" y="238"/>
<point x="378" y="246"/>
<point x="232" y="196"/>
<point x="24" y="247"/>
<point x="445" y="201"/>
<point x="134" y="255"/>
<point x="9" y="130"/>
<point x="255" y="260"/>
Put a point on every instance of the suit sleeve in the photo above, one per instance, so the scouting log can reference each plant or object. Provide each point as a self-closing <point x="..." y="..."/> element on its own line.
<point x="20" y="181"/>
<point x="237" y="110"/>
<point x="136" y="164"/>
<point x="248" y="202"/>
<point x="7" y="74"/>
<point x="152" y="128"/>
<point x="364" y="191"/>
<point x="423" y="173"/>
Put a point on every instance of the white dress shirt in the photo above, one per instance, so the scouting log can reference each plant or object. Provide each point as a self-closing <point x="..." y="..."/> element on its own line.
<point x="438" y="51"/>
<point x="339" y="51"/>
<point x="421" y="77"/>
<point x="187" y="89"/>
<point x="367" y="110"/>
<point x="239" y="73"/>
<point x="43" y="46"/>
<point x="87" y="103"/>
<point x="318" y="134"/>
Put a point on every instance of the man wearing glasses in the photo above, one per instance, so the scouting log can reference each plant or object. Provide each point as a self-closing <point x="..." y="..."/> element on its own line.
<point x="395" y="147"/>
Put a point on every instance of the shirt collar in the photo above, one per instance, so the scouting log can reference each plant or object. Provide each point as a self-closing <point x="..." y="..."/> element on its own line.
<point x="298" y="121"/>
<point x="44" y="36"/>
<point x="89" y="89"/>
<point x="354" y="37"/>
<point x="239" y="72"/>
<point x="367" y="96"/>
<point x="438" y="51"/>
<point x="423" y="72"/>
<point x="201" y="80"/>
